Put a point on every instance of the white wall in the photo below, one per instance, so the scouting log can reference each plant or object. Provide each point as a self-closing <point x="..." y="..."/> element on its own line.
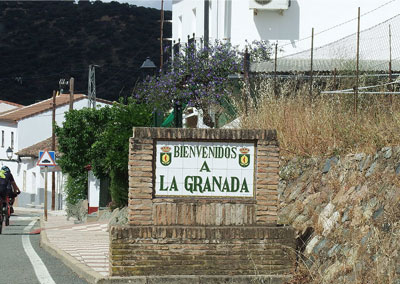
<point x="37" y="128"/>
<point x="28" y="132"/>
<point x="292" y="28"/>
<point x="8" y="128"/>
<point x="5" y="107"/>
<point x="93" y="190"/>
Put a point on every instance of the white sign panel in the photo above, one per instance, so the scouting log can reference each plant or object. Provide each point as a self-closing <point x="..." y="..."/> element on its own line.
<point x="204" y="169"/>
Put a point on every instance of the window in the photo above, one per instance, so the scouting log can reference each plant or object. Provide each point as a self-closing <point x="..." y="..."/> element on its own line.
<point x="12" y="140"/>
<point x="2" y="138"/>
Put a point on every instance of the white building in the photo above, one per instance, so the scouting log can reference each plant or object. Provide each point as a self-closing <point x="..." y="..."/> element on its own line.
<point x="27" y="130"/>
<point x="289" y="22"/>
<point x="7" y="106"/>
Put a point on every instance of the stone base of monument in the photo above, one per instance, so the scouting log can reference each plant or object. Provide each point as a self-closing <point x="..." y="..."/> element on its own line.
<point x="202" y="254"/>
<point x="202" y="279"/>
<point x="203" y="208"/>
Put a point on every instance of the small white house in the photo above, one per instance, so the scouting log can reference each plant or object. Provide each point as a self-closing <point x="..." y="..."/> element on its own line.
<point x="25" y="131"/>
<point x="288" y="22"/>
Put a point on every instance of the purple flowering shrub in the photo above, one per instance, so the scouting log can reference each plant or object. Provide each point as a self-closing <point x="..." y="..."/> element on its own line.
<point x="198" y="76"/>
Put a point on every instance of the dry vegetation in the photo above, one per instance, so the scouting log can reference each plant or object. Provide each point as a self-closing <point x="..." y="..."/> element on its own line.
<point x="328" y="125"/>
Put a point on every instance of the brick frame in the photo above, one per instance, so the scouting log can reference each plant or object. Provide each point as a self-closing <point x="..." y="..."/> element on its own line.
<point x="145" y="210"/>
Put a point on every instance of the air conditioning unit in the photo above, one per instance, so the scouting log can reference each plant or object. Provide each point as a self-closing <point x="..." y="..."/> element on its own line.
<point x="269" y="4"/>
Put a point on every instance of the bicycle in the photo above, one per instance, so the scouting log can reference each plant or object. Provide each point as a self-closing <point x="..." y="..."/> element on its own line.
<point x="5" y="212"/>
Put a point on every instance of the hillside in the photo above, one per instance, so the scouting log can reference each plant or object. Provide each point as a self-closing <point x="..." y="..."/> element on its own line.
<point x="41" y="42"/>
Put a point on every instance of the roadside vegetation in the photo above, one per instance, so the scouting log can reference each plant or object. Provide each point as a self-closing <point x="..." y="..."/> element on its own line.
<point x="327" y="125"/>
<point x="99" y="139"/>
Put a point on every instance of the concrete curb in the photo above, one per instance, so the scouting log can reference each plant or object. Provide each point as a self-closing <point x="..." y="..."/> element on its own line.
<point x="82" y="270"/>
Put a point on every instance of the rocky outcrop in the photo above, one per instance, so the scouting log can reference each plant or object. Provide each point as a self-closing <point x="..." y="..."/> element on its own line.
<point x="346" y="212"/>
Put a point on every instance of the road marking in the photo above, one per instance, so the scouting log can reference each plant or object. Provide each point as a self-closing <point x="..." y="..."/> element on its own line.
<point x="22" y="218"/>
<point x="41" y="271"/>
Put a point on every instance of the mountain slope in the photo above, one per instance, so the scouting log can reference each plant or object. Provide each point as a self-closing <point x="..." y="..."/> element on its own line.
<point x="41" y="42"/>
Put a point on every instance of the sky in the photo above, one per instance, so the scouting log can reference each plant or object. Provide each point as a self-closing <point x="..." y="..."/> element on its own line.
<point x="147" y="3"/>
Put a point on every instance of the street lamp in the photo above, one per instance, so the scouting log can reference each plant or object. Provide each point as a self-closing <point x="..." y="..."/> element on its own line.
<point x="148" y="67"/>
<point x="9" y="153"/>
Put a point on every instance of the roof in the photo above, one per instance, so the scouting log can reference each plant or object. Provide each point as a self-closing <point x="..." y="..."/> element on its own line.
<point x="27" y="111"/>
<point x="323" y="65"/>
<point x="33" y="151"/>
<point x="10" y="103"/>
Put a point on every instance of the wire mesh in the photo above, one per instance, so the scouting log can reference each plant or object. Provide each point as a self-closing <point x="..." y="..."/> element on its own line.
<point x="377" y="45"/>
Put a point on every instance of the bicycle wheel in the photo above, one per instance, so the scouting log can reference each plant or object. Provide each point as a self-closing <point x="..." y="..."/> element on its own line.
<point x="7" y="218"/>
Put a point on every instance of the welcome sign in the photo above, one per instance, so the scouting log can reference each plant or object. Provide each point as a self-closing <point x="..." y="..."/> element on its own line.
<point x="204" y="169"/>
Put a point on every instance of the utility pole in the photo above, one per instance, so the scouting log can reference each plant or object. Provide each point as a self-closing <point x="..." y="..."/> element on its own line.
<point x="246" y="88"/>
<point x="358" y="63"/>
<point x="162" y="36"/>
<point x="390" y="65"/>
<point x="71" y="93"/>
<point x="206" y="22"/>
<point x="275" y="70"/>
<point x="311" y="66"/>
<point x="53" y="148"/>
<point x="92" y="86"/>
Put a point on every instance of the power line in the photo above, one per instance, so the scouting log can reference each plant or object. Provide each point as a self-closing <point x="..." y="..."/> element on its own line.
<point x="341" y="24"/>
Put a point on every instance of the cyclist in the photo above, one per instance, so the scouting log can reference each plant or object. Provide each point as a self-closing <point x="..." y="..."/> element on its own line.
<point x="8" y="186"/>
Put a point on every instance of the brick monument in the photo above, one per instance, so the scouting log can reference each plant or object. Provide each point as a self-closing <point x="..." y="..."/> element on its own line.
<point x="202" y="202"/>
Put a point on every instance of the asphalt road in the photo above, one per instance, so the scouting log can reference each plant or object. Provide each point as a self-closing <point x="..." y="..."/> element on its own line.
<point x="16" y="255"/>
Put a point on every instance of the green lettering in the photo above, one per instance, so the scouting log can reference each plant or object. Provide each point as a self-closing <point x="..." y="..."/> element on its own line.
<point x="226" y="186"/>
<point x="198" y="150"/>
<point x="220" y="154"/>
<point x="173" y="187"/>
<point x="197" y="184"/>
<point x="211" y="152"/>
<point x="205" y="167"/>
<point x="234" y="184"/>
<point x="216" y="182"/>
<point x="227" y="152"/>
<point x="207" y="186"/>
<point x="185" y="152"/>
<point x="204" y="150"/>
<point x="244" y="186"/>
<point x="162" y="184"/>
<point x="234" y="154"/>
<point x="192" y="152"/>
<point x="176" y="151"/>
<point x="189" y="184"/>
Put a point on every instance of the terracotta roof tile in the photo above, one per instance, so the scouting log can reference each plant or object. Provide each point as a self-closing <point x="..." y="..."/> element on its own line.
<point x="27" y="111"/>
<point x="33" y="151"/>
<point x="10" y="103"/>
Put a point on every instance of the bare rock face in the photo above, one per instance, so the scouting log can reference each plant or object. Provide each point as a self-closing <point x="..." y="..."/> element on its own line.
<point x="346" y="212"/>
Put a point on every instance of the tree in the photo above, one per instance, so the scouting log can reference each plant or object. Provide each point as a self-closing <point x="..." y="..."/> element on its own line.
<point x="78" y="133"/>
<point x="196" y="77"/>
<point x="111" y="150"/>
<point x="99" y="137"/>
<point x="199" y="77"/>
